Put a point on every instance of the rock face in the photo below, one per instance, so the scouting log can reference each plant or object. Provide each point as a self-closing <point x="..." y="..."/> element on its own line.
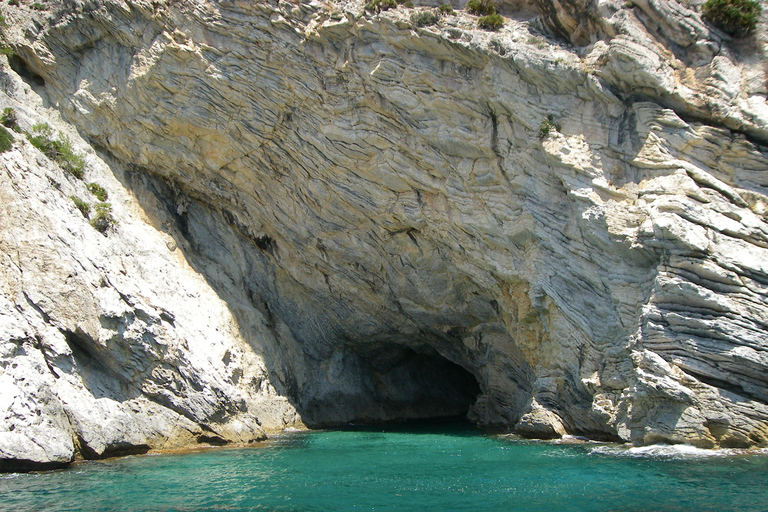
<point x="327" y="215"/>
<point x="111" y="344"/>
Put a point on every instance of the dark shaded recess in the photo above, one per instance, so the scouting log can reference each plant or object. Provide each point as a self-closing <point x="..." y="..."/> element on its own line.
<point x="404" y="385"/>
<point x="25" y="466"/>
<point x="209" y="436"/>
<point x="100" y="381"/>
<point x="453" y="426"/>
<point x="117" y="450"/>
<point x="21" y="67"/>
<point x="731" y="387"/>
<point x="265" y="243"/>
<point x="213" y="440"/>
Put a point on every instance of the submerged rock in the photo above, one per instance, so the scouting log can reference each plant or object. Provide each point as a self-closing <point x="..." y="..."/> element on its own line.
<point x="326" y="215"/>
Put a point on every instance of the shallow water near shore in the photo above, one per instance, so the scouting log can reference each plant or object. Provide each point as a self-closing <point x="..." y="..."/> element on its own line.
<point x="444" y="467"/>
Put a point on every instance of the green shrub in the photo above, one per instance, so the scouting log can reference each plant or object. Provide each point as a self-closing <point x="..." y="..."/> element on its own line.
<point x="43" y="139"/>
<point x="481" y="7"/>
<point x="103" y="220"/>
<point x="380" y="5"/>
<point x="6" y="140"/>
<point x="98" y="191"/>
<point x="60" y="151"/>
<point x="38" y="7"/>
<point x="446" y="9"/>
<point x="737" y="17"/>
<point x="408" y="4"/>
<point x="424" y="18"/>
<point x="13" y="2"/>
<point x="491" y="22"/>
<point x="8" y="119"/>
<point x="547" y="126"/>
<point x="81" y="205"/>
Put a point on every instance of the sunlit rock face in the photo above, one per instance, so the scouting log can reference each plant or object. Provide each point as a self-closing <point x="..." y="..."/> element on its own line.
<point x="556" y="228"/>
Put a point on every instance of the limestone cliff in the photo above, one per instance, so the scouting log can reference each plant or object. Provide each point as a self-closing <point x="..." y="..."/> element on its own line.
<point x="329" y="215"/>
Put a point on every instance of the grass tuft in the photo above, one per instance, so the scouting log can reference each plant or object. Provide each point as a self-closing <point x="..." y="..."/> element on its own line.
<point x="492" y="22"/>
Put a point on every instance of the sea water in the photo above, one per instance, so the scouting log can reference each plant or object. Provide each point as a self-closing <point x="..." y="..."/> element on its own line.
<point x="413" y="468"/>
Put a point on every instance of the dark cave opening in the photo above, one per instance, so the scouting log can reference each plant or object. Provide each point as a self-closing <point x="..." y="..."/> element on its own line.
<point x="394" y="383"/>
<point x="21" y="67"/>
<point x="428" y="386"/>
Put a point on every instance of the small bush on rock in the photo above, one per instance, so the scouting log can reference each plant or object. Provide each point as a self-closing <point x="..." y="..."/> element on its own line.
<point x="547" y="126"/>
<point x="8" y="119"/>
<point x="6" y="140"/>
<point x="98" y="191"/>
<point x="736" y="17"/>
<point x="424" y="18"/>
<point x="81" y="205"/>
<point x="60" y="151"/>
<point x="481" y="7"/>
<point x="380" y="5"/>
<point x="103" y="220"/>
<point x="446" y="9"/>
<point x="492" y="22"/>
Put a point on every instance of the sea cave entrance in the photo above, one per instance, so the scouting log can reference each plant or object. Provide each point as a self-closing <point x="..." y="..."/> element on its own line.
<point x="392" y="383"/>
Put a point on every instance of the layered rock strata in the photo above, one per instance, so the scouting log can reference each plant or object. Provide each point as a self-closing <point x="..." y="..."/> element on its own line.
<point x="329" y="215"/>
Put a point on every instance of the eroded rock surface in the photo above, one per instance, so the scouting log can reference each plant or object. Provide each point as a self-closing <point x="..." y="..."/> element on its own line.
<point x="383" y="221"/>
<point x="110" y="344"/>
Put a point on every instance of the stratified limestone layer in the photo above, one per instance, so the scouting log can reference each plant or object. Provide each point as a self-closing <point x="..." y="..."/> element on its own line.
<point x="385" y="220"/>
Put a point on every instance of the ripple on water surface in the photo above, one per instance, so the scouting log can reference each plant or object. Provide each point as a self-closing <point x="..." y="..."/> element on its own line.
<point x="436" y="468"/>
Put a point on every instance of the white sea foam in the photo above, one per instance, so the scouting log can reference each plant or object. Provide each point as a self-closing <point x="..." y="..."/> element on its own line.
<point x="668" y="451"/>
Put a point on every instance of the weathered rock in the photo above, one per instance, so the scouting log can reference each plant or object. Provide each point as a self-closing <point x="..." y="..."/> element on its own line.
<point x="110" y="344"/>
<point x="381" y="222"/>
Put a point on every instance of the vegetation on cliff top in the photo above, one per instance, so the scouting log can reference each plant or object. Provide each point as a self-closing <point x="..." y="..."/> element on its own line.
<point x="481" y="7"/>
<point x="491" y="22"/>
<point x="736" y="17"/>
<point x="486" y="9"/>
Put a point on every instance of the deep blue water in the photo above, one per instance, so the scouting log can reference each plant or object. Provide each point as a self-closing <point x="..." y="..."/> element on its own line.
<point x="429" y="468"/>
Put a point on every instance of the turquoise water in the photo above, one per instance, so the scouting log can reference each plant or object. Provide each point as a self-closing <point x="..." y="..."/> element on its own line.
<point x="437" y="468"/>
